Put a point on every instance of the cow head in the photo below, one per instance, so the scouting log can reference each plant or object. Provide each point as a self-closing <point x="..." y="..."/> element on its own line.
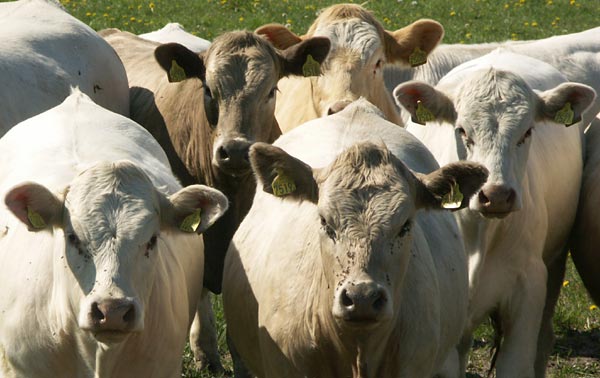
<point x="366" y="202"/>
<point x="495" y="115"/>
<point x="110" y="221"/>
<point x="239" y="73"/>
<point x="360" y="47"/>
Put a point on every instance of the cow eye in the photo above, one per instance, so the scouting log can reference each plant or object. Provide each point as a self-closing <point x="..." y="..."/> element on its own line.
<point x="211" y="107"/>
<point x="405" y="229"/>
<point x="378" y="65"/>
<point x="328" y="229"/>
<point x="524" y="137"/>
<point x="152" y="242"/>
<point x="463" y="134"/>
<point x="73" y="239"/>
<point x="272" y="93"/>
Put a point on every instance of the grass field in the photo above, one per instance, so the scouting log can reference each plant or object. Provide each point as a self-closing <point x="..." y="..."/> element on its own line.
<point x="577" y="321"/>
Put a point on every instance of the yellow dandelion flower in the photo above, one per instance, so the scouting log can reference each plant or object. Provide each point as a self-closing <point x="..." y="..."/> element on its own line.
<point x="468" y="35"/>
<point x="521" y="1"/>
<point x="526" y="23"/>
<point x="132" y="19"/>
<point x="288" y="21"/>
<point x="534" y="24"/>
<point x="593" y="307"/>
<point x="549" y="2"/>
<point x="506" y="6"/>
<point x="572" y="2"/>
<point x="241" y="18"/>
<point x="151" y="6"/>
<point x="105" y="15"/>
<point x="565" y="283"/>
<point x="452" y="14"/>
<point x="89" y="14"/>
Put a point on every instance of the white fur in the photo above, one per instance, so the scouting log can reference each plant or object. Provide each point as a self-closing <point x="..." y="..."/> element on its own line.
<point x="174" y="32"/>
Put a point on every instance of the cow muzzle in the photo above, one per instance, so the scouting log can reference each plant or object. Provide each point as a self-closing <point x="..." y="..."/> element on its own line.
<point x="496" y="201"/>
<point x="361" y="304"/>
<point x="231" y="157"/>
<point x="111" y="320"/>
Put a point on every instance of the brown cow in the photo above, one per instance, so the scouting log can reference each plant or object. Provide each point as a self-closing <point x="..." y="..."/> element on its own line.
<point x="206" y="110"/>
<point x="360" y="47"/>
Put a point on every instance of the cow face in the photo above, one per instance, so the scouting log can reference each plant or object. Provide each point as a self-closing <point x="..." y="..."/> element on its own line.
<point x="111" y="219"/>
<point x="366" y="202"/>
<point x="360" y="47"/>
<point x="495" y="115"/>
<point x="239" y="73"/>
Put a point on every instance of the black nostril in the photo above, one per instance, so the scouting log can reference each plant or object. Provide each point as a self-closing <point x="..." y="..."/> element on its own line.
<point x="97" y="315"/>
<point x="511" y="196"/>
<point x="482" y="198"/>
<point x="330" y="111"/>
<point x="379" y="301"/>
<point x="346" y="300"/>
<point x="222" y="152"/>
<point x="129" y="315"/>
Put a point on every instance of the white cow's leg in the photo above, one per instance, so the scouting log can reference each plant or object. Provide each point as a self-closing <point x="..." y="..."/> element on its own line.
<point x="203" y="336"/>
<point x="521" y="317"/>
<point x="463" y="348"/>
<point x="556" y="274"/>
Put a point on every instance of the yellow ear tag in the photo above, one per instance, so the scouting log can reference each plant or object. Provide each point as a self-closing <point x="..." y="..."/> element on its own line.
<point x="453" y="199"/>
<point x="417" y="57"/>
<point x="423" y="114"/>
<point x="176" y="73"/>
<point x="311" y="67"/>
<point x="35" y="219"/>
<point x="282" y="184"/>
<point x="565" y="115"/>
<point x="191" y="222"/>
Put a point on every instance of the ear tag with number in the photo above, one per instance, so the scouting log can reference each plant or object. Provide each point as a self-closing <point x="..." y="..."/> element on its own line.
<point x="282" y="184"/>
<point x="176" y="73"/>
<point x="417" y="57"/>
<point x="35" y="219"/>
<point x="565" y="115"/>
<point x="452" y="199"/>
<point x="191" y="222"/>
<point x="311" y="67"/>
<point x="424" y="115"/>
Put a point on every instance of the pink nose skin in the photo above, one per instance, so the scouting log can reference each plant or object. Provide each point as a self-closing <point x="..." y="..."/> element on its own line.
<point x="363" y="302"/>
<point x="337" y="107"/>
<point x="113" y="315"/>
<point x="496" y="200"/>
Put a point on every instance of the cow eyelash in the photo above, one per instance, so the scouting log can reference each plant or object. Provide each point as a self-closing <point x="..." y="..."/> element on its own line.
<point x="73" y="239"/>
<point x="405" y="229"/>
<point x="207" y="91"/>
<point x="152" y="242"/>
<point x="272" y="93"/>
<point x="525" y="136"/>
<point x="468" y="141"/>
<point x="328" y="229"/>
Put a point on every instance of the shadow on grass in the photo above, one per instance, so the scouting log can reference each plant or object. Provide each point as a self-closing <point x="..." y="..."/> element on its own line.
<point x="575" y="343"/>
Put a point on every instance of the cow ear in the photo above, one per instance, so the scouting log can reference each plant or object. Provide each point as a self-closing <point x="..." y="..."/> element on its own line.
<point x="34" y="205"/>
<point x="282" y="175"/>
<point x="451" y="186"/>
<point x="413" y="43"/>
<point x="424" y="103"/>
<point x="179" y="62"/>
<point x="194" y="208"/>
<point x="279" y="36"/>
<point x="565" y="103"/>
<point x="305" y="58"/>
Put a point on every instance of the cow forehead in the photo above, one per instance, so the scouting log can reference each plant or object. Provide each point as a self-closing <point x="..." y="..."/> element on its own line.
<point x="355" y="35"/>
<point x="495" y="98"/>
<point x="365" y="188"/>
<point x="112" y="200"/>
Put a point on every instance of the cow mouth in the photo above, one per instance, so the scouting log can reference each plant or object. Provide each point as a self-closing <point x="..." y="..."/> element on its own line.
<point x="110" y="337"/>
<point x="495" y="214"/>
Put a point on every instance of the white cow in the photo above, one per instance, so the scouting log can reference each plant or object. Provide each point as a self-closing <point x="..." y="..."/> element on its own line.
<point x="97" y="279"/>
<point x="174" y="32"/>
<point x="43" y="52"/>
<point x="347" y="276"/>
<point x="499" y="110"/>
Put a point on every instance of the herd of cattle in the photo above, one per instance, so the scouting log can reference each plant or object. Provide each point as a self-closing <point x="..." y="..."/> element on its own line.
<point x="416" y="190"/>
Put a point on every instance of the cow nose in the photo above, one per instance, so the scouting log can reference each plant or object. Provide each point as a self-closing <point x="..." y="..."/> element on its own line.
<point x="113" y="315"/>
<point x="337" y="107"/>
<point x="364" y="302"/>
<point x="232" y="156"/>
<point x="496" y="200"/>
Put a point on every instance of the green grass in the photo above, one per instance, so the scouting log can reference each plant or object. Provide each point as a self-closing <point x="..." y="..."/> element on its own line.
<point x="577" y="324"/>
